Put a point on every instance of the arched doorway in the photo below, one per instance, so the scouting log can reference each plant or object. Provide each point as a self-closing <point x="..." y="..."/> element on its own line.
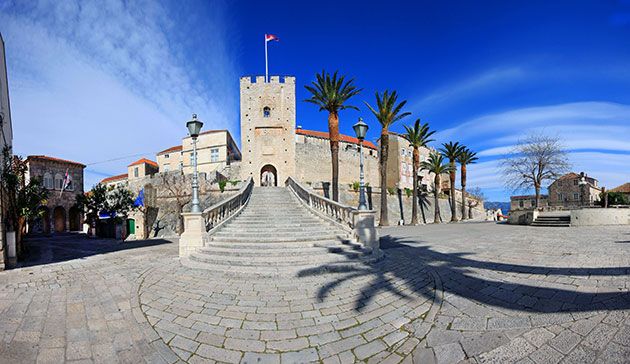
<point x="75" y="219"/>
<point x="59" y="215"/>
<point x="268" y="175"/>
<point x="41" y="224"/>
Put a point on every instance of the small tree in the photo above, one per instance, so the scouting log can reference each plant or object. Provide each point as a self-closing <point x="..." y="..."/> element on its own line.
<point x="477" y="197"/>
<point x="533" y="161"/>
<point x="24" y="197"/>
<point x="418" y="136"/>
<point x="452" y="151"/>
<point x="121" y="201"/>
<point x="92" y="203"/>
<point x="465" y="158"/>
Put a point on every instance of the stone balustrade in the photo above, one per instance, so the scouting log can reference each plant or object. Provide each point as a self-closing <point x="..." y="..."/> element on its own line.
<point x="222" y="211"/>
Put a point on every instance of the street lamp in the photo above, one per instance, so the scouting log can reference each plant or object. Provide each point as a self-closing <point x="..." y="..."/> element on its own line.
<point x="582" y="183"/>
<point x="360" y="129"/>
<point x="194" y="127"/>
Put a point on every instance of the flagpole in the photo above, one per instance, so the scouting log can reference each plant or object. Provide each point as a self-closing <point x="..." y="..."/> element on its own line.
<point x="266" y="61"/>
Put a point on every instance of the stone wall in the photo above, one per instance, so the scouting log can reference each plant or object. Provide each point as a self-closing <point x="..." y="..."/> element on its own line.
<point x="395" y="202"/>
<point x="313" y="163"/>
<point x="169" y="194"/>
<point x="600" y="216"/>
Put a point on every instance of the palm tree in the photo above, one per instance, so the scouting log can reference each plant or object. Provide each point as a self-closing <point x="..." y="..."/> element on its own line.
<point x="387" y="114"/>
<point x="465" y="158"/>
<point x="331" y="93"/>
<point x="418" y="136"/>
<point x="451" y="151"/>
<point x="435" y="164"/>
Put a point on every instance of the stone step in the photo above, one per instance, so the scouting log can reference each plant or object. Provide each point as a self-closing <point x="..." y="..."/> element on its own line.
<point x="272" y="240"/>
<point x="281" y="245"/>
<point x="274" y="252"/>
<point x="276" y="261"/>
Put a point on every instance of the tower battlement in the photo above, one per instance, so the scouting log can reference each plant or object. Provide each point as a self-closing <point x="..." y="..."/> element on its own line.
<point x="272" y="79"/>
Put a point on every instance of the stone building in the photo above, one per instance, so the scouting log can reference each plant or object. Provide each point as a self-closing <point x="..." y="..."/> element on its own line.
<point x="526" y="202"/>
<point x="400" y="164"/>
<point x="624" y="189"/>
<point x="312" y="148"/>
<point x="268" y="128"/>
<point x="215" y="150"/>
<point x="574" y="190"/>
<point x="141" y="168"/>
<point x="59" y="214"/>
<point x="6" y="141"/>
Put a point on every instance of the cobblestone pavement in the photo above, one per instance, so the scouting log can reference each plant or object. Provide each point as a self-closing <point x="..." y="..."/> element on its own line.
<point x="471" y="292"/>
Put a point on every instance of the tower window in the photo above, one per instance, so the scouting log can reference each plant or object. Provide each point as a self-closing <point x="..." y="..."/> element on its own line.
<point x="266" y="111"/>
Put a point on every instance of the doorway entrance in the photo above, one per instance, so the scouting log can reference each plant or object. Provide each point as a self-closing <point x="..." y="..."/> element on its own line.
<point x="59" y="215"/>
<point x="268" y="175"/>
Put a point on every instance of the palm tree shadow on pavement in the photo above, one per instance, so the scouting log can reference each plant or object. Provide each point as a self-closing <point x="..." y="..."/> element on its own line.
<point x="412" y="263"/>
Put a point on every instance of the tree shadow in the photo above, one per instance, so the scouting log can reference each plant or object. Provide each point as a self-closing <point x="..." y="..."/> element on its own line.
<point x="413" y="264"/>
<point x="57" y="248"/>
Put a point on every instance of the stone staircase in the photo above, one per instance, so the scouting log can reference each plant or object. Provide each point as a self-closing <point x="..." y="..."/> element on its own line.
<point x="553" y="219"/>
<point x="275" y="235"/>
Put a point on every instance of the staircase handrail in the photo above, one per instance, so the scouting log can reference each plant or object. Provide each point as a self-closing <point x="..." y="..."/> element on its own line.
<point x="334" y="210"/>
<point x="223" y="211"/>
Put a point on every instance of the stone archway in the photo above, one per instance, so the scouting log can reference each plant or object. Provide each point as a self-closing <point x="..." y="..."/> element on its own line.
<point x="268" y="175"/>
<point x="75" y="219"/>
<point x="59" y="217"/>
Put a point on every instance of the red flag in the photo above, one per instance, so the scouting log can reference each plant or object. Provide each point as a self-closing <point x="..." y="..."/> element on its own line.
<point x="270" y="37"/>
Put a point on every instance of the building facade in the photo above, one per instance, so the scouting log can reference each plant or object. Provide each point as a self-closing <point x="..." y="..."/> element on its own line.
<point x="268" y="128"/>
<point x="215" y="150"/>
<point x="527" y="202"/>
<point x="400" y="164"/>
<point x="624" y="189"/>
<point x="59" y="214"/>
<point x="6" y="141"/>
<point x="141" y="168"/>
<point x="574" y="190"/>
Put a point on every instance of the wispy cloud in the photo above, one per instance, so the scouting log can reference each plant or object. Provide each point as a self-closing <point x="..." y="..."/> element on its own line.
<point x="484" y="82"/>
<point x="94" y="80"/>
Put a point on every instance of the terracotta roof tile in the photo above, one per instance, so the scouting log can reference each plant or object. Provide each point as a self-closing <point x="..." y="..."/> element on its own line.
<point x="624" y="188"/>
<point x="144" y="160"/>
<point x="114" y="178"/>
<point x="53" y="159"/>
<point x="342" y="137"/>
<point x="176" y="148"/>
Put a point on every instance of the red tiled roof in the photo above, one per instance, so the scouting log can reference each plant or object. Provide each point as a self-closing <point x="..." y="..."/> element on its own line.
<point x="176" y="148"/>
<point x="53" y="159"/>
<point x="569" y="175"/>
<point x="144" y="160"/>
<point x="114" y="178"/>
<point x="624" y="188"/>
<point x="342" y="137"/>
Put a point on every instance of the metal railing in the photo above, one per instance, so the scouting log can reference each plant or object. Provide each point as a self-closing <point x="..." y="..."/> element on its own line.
<point x="334" y="210"/>
<point x="219" y="213"/>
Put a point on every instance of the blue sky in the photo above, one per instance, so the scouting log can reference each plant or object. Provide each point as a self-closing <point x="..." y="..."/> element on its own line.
<point x="107" y="83"/>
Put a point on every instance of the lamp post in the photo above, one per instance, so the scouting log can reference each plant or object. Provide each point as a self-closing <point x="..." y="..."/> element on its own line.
<point x="194" y="127"/>
<point x="360" y="129"/>
<point x="582" y="183"/>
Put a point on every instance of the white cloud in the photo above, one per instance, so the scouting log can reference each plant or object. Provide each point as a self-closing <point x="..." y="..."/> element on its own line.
<point x="479" y="83"/>
<point x="92" y="80"/>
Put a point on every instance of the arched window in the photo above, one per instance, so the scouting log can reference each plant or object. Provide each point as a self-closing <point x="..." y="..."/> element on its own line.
<point x="266" y="111"/>
<point x="58" y="181"/>
<point x="48" y="181"/>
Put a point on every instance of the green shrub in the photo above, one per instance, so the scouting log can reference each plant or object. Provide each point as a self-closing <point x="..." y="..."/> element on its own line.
<point x="391" y="190"/>
<point x="355" y="186"/>
<point x="234" y="183"/>
<point x="222" y="184"/>
<point x="615" y="198"/>
<point x="408" y="192"/>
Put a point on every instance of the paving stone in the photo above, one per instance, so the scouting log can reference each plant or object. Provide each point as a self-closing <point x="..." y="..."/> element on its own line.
<point x="260" y="358"/>
<point x="565" y="341"/>
<point x="302" y="356"/>
<point x="449" y="353"/>
<point x="546" y="355"/>
<point x="538" y="337"/>
<point x="219" y="354"/>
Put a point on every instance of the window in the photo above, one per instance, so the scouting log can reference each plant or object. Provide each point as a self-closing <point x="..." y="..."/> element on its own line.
<point x="58" y="181"/>
<point x="559" y="196"/>
<point x="533" y="202"/>
<point x="214" y="154"/>
<point x="576" y="196"/>
<point x="266" y="111"/>
<point x="181" y="166"/>
<point x="520" y="203"/>
<point x="48" y="181"/>
<point x="575" y="182"/>
<point x="559" y="183"/>
<point x="135" y="172"/>
<point x="166" y="156"/>
<point x="403" y="152"/>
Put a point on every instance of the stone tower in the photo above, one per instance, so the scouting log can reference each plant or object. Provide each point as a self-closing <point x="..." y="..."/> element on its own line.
<point x="268" y="128"/>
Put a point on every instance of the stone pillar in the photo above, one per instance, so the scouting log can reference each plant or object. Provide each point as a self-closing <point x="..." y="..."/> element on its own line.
<point x="365" y="230"/>
<point x="194" y="231"/>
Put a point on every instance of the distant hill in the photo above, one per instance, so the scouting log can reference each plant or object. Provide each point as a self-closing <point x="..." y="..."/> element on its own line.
<point x="504" y="206"/>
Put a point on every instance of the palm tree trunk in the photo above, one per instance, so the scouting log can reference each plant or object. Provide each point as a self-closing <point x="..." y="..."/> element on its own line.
<point x="384" y="221"/>
<point x="452" y="176"/>
<point x="436" y="201"/>
<point x="333" y="130"/>
<point x="463" y="191"/>
<point x="414" y="204"/>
